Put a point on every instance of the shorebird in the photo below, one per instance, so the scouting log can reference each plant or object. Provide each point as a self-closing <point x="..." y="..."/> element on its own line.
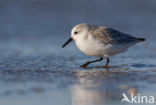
<point x="100" y="41"/>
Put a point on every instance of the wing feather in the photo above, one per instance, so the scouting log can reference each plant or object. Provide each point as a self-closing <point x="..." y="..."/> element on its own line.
<point x="109" y="35"/>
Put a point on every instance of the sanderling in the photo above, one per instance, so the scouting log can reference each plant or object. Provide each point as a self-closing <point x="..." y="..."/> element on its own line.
<point x="100" y="41"/>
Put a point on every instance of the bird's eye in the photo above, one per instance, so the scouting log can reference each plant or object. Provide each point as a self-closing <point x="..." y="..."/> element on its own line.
<point x="75" y="32"/>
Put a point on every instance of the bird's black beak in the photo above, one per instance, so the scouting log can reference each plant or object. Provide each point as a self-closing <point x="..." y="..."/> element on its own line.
<point x="68" y="41"/>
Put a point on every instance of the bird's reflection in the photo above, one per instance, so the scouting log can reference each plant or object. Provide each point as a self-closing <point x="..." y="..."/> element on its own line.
<point x="98" y="88"/>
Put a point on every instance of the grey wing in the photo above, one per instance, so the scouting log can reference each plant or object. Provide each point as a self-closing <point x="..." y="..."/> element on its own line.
<point x="102" y="34"/>
<point x="119" y="37"/>
<point x="109" y="35"/>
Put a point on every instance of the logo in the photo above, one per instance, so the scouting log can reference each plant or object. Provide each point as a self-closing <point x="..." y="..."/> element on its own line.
<point x="137" y="99"/>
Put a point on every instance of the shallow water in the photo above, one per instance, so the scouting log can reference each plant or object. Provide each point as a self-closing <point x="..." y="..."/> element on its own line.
<point x="35" y="70"/>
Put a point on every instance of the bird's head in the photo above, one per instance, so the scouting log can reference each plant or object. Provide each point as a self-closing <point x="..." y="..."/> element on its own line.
<point x="77" y="31"/>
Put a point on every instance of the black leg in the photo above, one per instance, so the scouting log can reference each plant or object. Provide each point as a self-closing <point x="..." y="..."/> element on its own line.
<point x="107" y="62"/>
<point x="87" y="63"/>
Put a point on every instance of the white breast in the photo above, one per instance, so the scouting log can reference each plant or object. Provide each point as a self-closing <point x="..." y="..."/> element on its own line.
<point x="94" y="47"/>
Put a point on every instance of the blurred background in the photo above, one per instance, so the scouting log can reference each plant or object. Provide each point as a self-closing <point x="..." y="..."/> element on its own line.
<point x="35" y="70"/>
<point x="47" y="23"/>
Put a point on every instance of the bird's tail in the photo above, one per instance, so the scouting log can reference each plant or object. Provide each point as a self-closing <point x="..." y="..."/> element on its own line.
<point x="141" y="39"/>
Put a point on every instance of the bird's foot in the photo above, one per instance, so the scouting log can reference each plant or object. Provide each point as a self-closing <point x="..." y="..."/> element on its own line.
<point x="106" y="66"/>
<point x="83" y="66"/>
